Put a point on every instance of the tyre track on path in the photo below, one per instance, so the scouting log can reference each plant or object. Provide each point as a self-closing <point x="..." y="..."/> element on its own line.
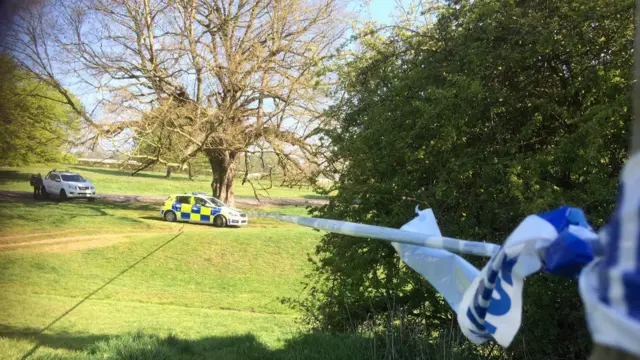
<point x="69" y="239"/>
<point x="122" y="198"/>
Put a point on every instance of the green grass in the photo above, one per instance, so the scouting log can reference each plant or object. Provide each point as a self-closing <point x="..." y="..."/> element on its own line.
<point x="205" y="283"/>
<point x="83" y="280"/>
<point x="55" y="219"/>
<point x="113" y="181"/>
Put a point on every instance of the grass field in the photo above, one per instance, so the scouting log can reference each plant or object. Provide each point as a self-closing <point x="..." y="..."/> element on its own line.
<point x="113" y="181"/>
<point x="198" y="291"/>
<point x="104" y="280"/>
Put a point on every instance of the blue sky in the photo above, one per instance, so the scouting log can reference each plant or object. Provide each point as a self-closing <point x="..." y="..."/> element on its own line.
<point x="377" y="10"/>
<point x="381" y="11"/>
<point x="366" y="10"/>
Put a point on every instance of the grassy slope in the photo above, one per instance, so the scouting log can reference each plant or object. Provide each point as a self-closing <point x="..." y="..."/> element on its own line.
<point x="112" y="181"/>
<point x="207" y="294"/>
<point x="78" y="216"/>
<point x="222" y="285"/>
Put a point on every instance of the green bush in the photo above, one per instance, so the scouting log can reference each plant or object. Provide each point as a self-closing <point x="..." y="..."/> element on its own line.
<point x="499" y="110"/>
<point x="36" y="126"/>
<point x="397" y="345"/>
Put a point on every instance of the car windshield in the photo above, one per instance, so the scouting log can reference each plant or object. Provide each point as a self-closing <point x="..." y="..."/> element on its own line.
<point x="72" y="178"/>
<point x="215" y="201"/>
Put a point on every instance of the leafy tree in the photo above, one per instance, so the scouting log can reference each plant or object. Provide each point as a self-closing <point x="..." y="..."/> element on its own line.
<point x="498" y="110"/>
<point x="36" y="124"/>
<point x="220" y="76"/>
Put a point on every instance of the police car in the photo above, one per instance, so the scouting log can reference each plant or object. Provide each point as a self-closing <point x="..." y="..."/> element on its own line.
<point x="201" y="208"/>
<point x="66" y="185"/>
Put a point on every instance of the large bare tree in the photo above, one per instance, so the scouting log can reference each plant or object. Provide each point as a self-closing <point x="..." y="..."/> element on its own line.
<point x="182" y="77"/>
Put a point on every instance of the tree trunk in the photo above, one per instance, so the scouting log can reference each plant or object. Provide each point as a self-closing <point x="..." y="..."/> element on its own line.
<point x="223" y="167"/>
<point x="169" y="171"/>
<point x="189" y="168"/>
<point x="190" y="171"/>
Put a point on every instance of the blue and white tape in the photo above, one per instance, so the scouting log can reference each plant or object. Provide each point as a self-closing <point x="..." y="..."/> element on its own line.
<point x="488" y="302"/>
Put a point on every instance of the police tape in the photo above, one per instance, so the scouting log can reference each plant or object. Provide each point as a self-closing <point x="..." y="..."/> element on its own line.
<point x="488" y="302"/>
<point x="387" y="234"/>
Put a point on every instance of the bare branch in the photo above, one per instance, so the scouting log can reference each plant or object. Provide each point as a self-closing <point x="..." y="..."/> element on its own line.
<point x="188" y="77"/>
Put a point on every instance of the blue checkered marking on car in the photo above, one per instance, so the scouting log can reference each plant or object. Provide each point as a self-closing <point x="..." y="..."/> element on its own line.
<point x="205" y="218"/>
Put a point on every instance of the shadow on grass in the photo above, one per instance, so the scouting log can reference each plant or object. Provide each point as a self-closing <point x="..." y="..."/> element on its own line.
<point x="160" y="219"/>
<point x="48" y="210"/>
<point x="60" y="340"/>
<point x="13" y="176"/>
<point x="154" y="218"/>
<point x="146" y="346"/>
<point x="39" y="333"/>
<point x="83" y="205"/>
<point x="204" y="225"/>
<point x="316" y="197"/>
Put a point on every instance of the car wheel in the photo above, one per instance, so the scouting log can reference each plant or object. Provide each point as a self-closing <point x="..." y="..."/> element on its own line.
<point x="92" y="199"/>
<point x="219" y="221"/>
<point x="170" y="216"/>
<point x="43" y="192"/>
<point x="63" y="195"/>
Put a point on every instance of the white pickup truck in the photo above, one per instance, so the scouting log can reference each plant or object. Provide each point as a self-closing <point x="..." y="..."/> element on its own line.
<point x="68" y="185"/>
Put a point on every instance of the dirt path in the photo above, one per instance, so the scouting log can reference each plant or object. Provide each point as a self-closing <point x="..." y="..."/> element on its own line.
<point x="31" y="235"/>
<point x="118" y="198"/>
<point x="90" y="238"/>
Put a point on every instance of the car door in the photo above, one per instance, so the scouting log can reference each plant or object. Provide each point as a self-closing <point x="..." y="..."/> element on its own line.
<point x="182" y="207"/>
<point x="46" y="181"/>
<point x="201" y="211"/>
<point x="54" y="185"/>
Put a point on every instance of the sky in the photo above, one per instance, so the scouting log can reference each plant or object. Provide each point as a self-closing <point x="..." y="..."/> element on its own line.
<point x="381" y="11"/>
<point x="365" y="10"/>
<point x="378" y="10"/>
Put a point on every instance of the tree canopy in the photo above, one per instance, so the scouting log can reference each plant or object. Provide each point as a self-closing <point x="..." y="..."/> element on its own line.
<point x="37" y="125"/>
<point x="494" y="111"/>
<point x="183" y="77"/>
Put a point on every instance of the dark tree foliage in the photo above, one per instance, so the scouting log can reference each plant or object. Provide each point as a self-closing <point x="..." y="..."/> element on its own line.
<point x="35" y="125"/>
<point x="498" y="110"/>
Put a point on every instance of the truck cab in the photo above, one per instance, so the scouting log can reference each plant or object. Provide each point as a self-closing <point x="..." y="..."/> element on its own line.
<point x="66" y="185"/>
